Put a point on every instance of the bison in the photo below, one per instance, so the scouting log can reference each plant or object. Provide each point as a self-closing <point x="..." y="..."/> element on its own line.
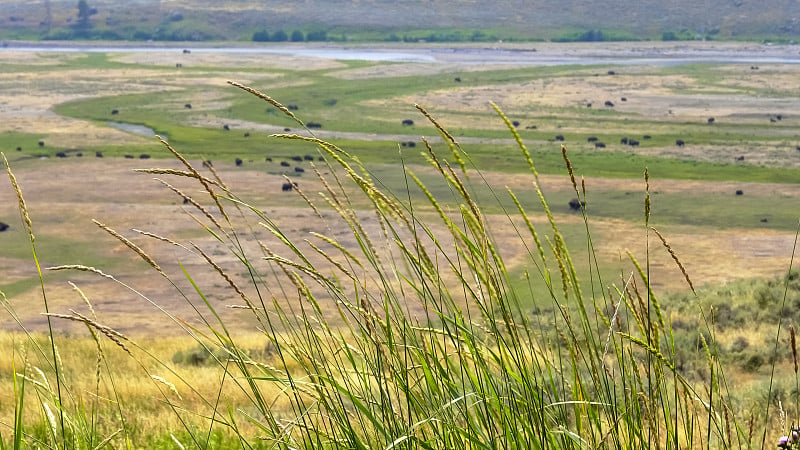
<point x="128" y="156"/>
<point x="287" y="186"/>
<point x="609" y="104"/>
<point x="680" y="142"/>
<point x="285" y="164"/>
<point x="515" y="123"/>
<point x="3" y="226"/>
<point x="188" y="106"/>
<point x="591" y="139"/>
<point x="144" y="156"/>
<point x="114" y="112"/>
<point x="457" y="79"/>
<point x="247" y="134"/>
<point x="599" y="145"/>
<point x="559" y="137"/>
<point x="299" y="169"/>
<point x="623" y="99"/>
<point x="633" y="142"/>
<point x="61" y="154"/>
<point x="739" y="192"/>
<point x="238" y="162"/>
<point x="207" y="163"/>
<point x="297" y="158"/>
<point x="98" y="154"/>
<point x="740" y="158"/>
<point x="19" y="149"/>
<point x="292" y="107"/>
<point x="646" y="137"/>
<point x="710" y="120"/>
<point x="41" y="143"/>
<point x="308" y="157"/>
<point x="407" y="122"/>
<point x="624" y="141"/>
<point x="576" y="204"/>
<point x="226" y="127"/>
<point x="314" y="125"/>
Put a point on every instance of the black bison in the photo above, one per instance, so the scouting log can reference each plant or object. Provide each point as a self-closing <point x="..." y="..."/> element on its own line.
<point x="247" y="134"/>
<point x="764" y="220"/>
<point x="308" y="157"/>
<point x="739" y="192"/>
<point x="285" y="164"/>
<point x="238" y="162"/>
<point x="740" y="158"/>
<point x="287" y="186"/>
<point x="226" y="127"/>
<point x="623" y="140"/>
<point x="633" y="142"/>
<point x="292" y="107"/>
<point x="407" y="122"/>
<point x="559" y="137"/>
<point x="710" y="120"/>
<point x="515" y="123"/>
<point x="61" y="154"/>
<point x="98" y="154"/>
<point x="144" y="156"/>
<point x="588" y="105"/>
<point x="404" y="144"/>
<point x="314" y="125"/>
<point x="680" y="142"/>
<point x="599" y="145"/>
<point x="530" y="127"/>
<point x="128" y="156"/>
<point x="178" y="65"/>
<point x="320" y="158"/>
<point x="611" y="72"/>
<point x="457" y="79"/>
<point x="297" y="158"/>
<point x="609" y="104"/>
<point x="623" y="99"/>
<point x="188" y="106"/>
<point x="576" y="204"/>
<point x="186" y="51"/>
<point x="646" y="137"/>
<point x="268" y="158"/>
<point x="3" y="226"/>
<point x="592" y="139"/>
<point x="779" y="117"/>
<point x="79" y="154"/>
<point x="299" y="169"/>
<point x="412" y="144"/>
<point x="41" y="143"/>
<point x="286" y="130"/>
<point x="114" y="112"/>
<point x="19" y="149"/>
<point x="207" y="163"/>
<point x="185" y="201"/>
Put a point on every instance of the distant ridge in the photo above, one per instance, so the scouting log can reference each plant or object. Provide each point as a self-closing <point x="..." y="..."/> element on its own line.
<point x="399" y="19"/>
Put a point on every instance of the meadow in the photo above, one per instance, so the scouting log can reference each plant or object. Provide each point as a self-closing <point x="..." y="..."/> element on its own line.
<point x="398" y="295"/>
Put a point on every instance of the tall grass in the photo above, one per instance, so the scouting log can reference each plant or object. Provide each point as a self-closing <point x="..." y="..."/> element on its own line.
<point x="408" y="332"/>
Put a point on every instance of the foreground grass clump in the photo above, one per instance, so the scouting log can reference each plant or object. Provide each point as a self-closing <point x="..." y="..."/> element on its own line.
<point x="407" y="332"/>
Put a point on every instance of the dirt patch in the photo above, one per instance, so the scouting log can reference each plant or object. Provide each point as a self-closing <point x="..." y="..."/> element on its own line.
<point x="64" y="195"/>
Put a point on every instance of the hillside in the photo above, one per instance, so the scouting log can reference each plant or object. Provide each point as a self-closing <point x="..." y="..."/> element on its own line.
<point x="398" y="20"/>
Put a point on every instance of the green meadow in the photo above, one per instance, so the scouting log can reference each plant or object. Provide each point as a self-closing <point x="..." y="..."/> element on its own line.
<point x="428" y="285"/>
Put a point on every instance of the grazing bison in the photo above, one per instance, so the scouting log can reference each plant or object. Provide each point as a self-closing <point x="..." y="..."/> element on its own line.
<point x="186" y="51"/>
<point x="740" y="158"/>
<point x="611" y="72"/>
<point x="623" y="140"/>
<point x="226" y="127"/>
<point x="19" y="149"/>
<point x="680" y="142"/>
<point x="128" y="156"/>
<point x="178" y="65"/>
<point x="188" y="106"/>
<point x="61" y="154"/>
<point x="79" y="154"/>
<point x="576" y="204"/>
<point x="297" y="158"/>
<point x="308" y="157"/>
<point x="779" y="117"/>
<point x="268" y="159"/>
<point x="764" y="220"/>
<point x="457" y="79"/>
<point x="404" y="144"/>
<point x="591" y="139"/>
<point x="185" y="201"/>
<point x="207" y="163"/>
<point x="739" y="192"/>
<point x="3" y="226"/>
<point x="609" y="104"/>
<point x="320" y="158"/>
<point x="623" y="99"/>
<point x="286" y="130"/>
<point x="407" y="122"/>
<point x="710" y="120"/>
<point x="247" y="134"/>
<point x="314" y="125"/>
<point x="285" y="164"/>
<point x="559" y="137"/>
<point x="238" y="162"/>
<point x="299" y="169"/>
<point x="292" y="107"/>
<point x="646" y="137"/>
<point x="515" y="123"/>
<point x="41" y="143"/>
<point x="144" y="156"/>
<point x="599" y="145"/>
<point x="530" y="127"/>
<point x="633" y="142"/>
<point x="287" y="187"/>
<point x="114" y="112"/>
<point x="412" y="144"/>
<point x="98" y="154"/>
